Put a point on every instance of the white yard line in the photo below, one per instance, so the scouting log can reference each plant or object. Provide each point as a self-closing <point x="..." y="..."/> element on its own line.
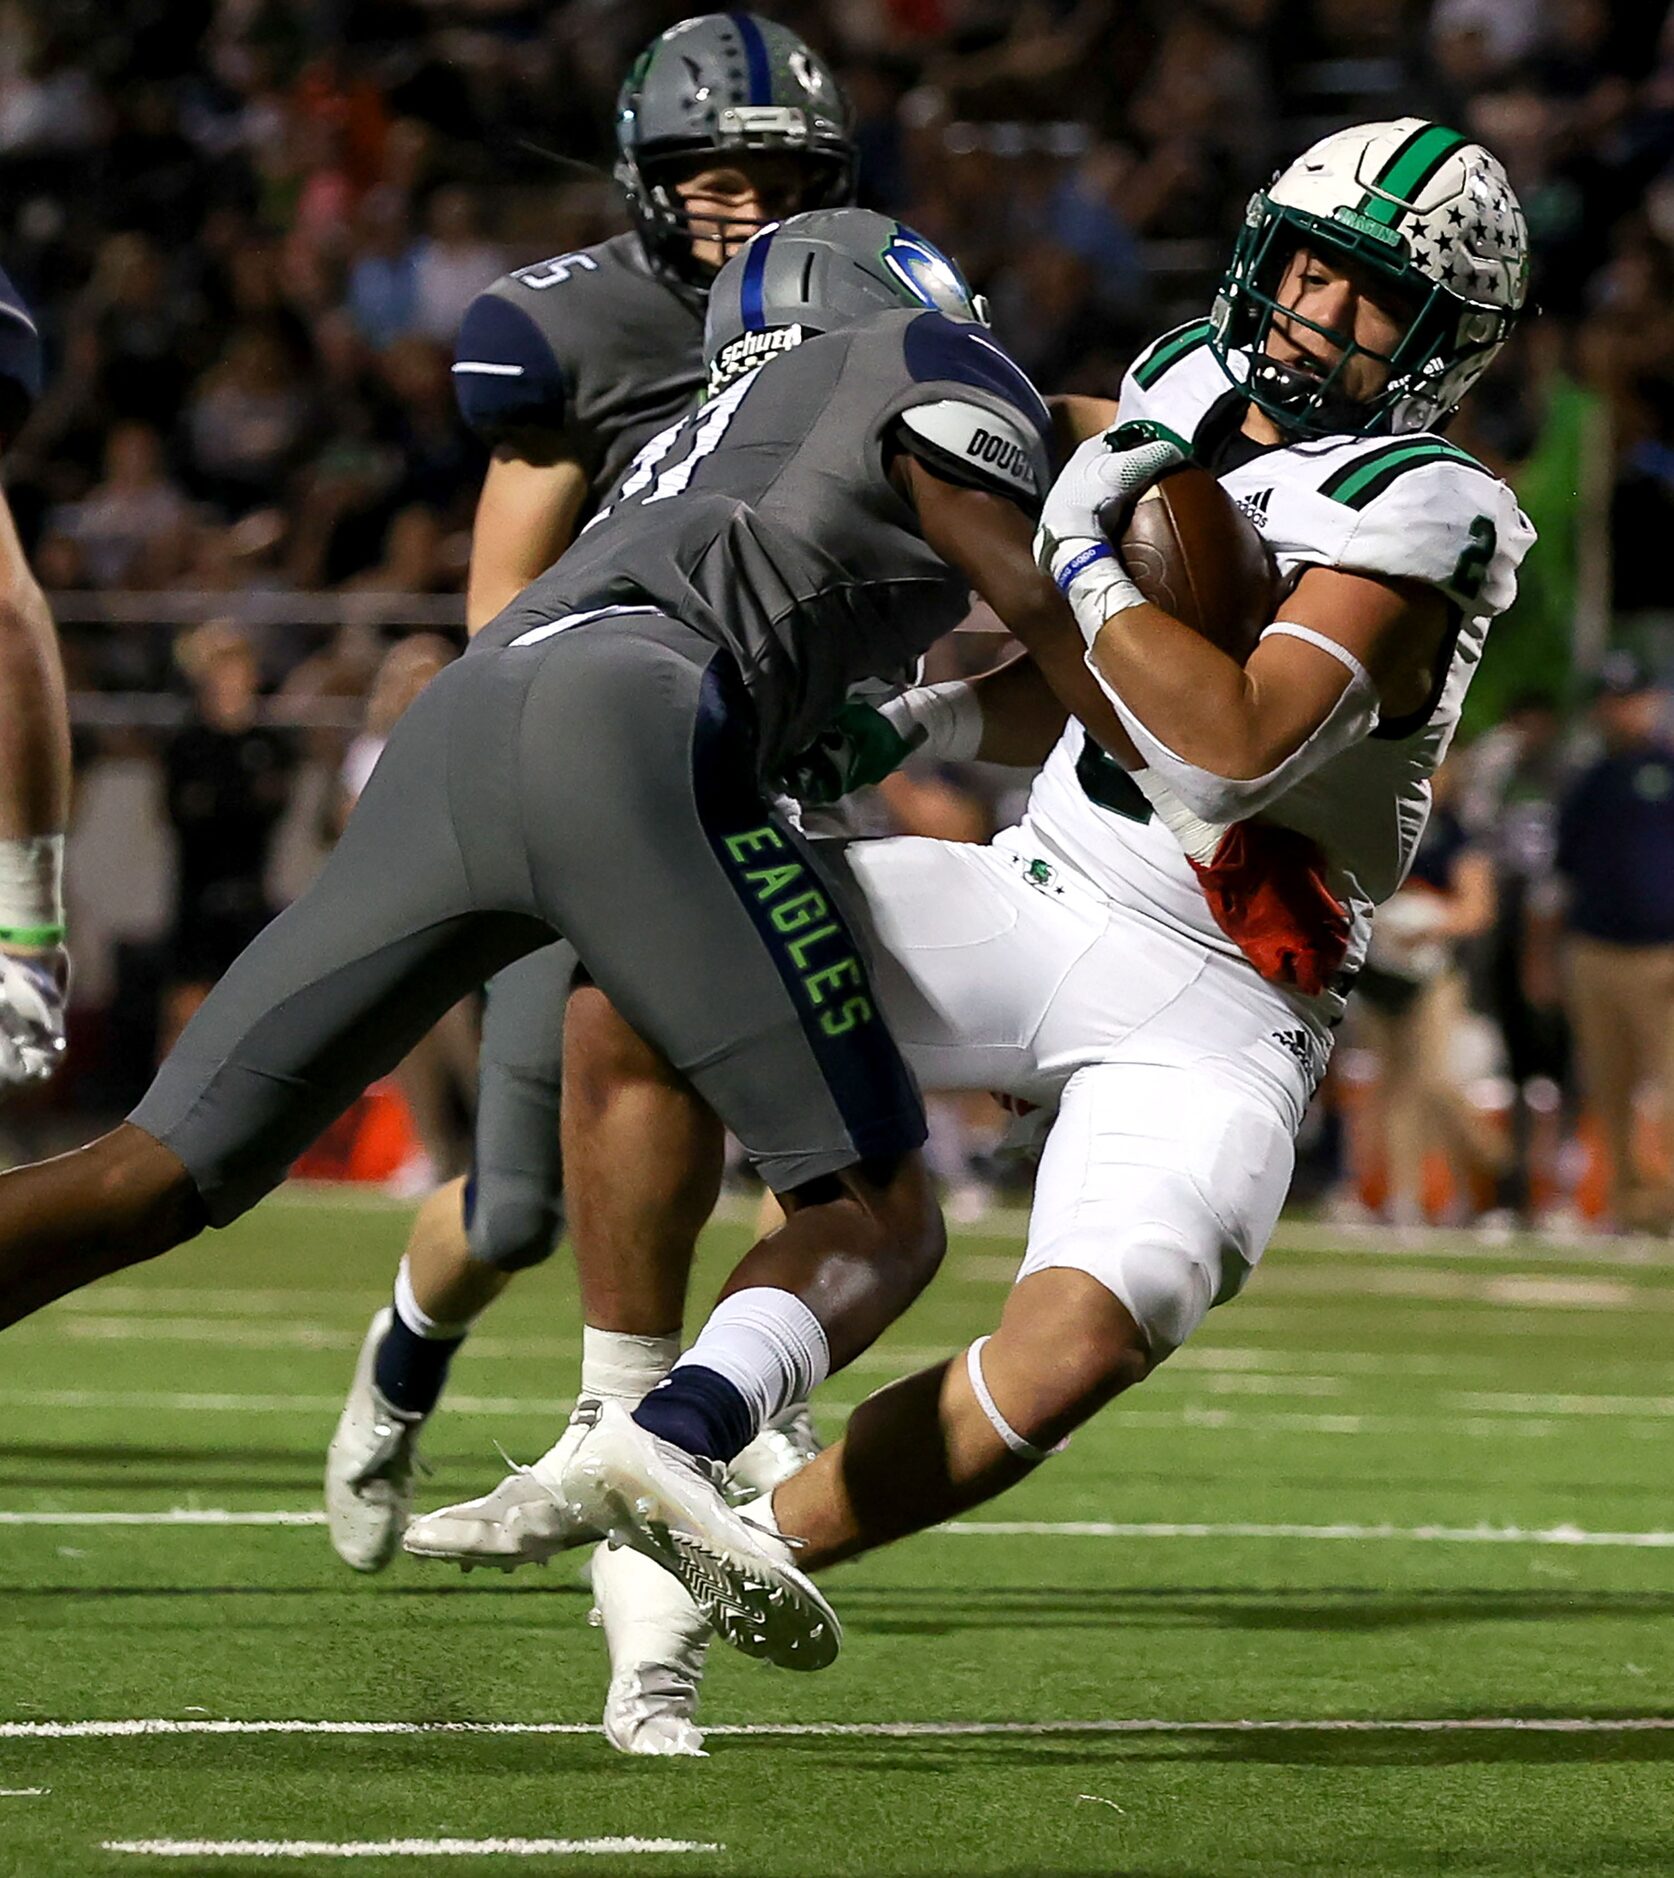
<point x="1503" y="1290"/>
<point x="1441" y="1242"/>
<point x="167" y="1516"/>
<point x="951" y="1730"/>
<point x="1484" y="1534"/>
<point x="1241" y="1529"/>
<point x="24" y="1793"/>
<point x="401" y="1848"/>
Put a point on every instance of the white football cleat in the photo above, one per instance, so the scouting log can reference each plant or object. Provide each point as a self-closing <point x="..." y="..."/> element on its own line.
<point x="648" y="1494"/>
<point x="523" y="1521"/>
<point x="369" y="1467"/>
<point x="657" y="1639"/>
<point x="784" y="1447"/>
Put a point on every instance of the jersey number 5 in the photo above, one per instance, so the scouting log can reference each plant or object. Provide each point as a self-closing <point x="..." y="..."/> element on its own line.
<point x="1471" y="569"/>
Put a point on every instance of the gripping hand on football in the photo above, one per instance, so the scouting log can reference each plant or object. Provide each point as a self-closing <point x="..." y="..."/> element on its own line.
<point x="32" y="992"/>
<point x="1088" y="506"/>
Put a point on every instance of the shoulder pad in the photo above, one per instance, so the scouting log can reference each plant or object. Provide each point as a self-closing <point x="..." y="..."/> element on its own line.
<point x="1429" y="511"/>
<point x="1174" y="381"/>
<point x="978" y="446"/>
<point x="1167" y="351"/>
<point x="505" y="374"/>
<point x="20" y="361"/>
<point x="942" y="351"/>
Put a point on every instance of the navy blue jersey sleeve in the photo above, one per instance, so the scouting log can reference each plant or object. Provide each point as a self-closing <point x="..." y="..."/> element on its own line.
<point x="505" y="374"/>
<point x="971" y="415"/>
<point x="20" y="361"/>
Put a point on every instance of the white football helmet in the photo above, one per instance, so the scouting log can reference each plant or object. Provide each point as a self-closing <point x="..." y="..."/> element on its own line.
<point x="1414" y="201"/>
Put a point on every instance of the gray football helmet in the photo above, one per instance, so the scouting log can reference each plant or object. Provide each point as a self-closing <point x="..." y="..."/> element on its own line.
<point x="723" y="84"/>
<point x="813" y="273"/>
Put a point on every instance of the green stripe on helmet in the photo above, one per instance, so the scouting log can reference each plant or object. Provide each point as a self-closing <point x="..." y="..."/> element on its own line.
<point x="1408" y="170"/>
<point x="1167" y="351"/>
<point x="1358" y="483"/>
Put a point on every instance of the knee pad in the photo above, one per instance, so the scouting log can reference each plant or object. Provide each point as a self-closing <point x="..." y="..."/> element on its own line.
<point x="511" y="1225"/>
<point x="1166" y="1278"/>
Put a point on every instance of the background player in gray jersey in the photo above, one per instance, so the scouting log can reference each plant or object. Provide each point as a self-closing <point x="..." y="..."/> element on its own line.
<point x="34" y="760"/>
<point x="566" y="369"/>
<point x="601" y="774"/>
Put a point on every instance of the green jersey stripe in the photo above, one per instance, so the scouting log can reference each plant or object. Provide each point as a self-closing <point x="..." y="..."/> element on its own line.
<point x="1361" y="482"/>
<point x="1166" y="351"/>
<point x="1407" y="171"/>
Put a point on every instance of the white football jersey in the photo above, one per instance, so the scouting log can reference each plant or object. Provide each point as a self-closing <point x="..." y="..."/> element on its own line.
<point x="1416" y="507"/>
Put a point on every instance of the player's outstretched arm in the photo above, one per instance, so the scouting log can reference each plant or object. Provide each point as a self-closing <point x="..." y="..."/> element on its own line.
<point x="34" y="724"/>
<point x="526" y="517"/>
<point x="988" y="539"/>
<point x="34" y="761"/>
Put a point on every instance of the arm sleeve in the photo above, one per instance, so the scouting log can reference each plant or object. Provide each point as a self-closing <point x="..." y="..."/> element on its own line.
<point x="506" y="374"/>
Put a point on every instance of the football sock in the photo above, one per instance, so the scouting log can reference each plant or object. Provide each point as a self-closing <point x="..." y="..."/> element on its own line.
<point x="761" y="1350"/>
<point x="412" y="1361"/>
<point x="619" y="1367"/>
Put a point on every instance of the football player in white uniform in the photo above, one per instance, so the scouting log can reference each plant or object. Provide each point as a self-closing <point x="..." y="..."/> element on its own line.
<point x="34" y="761"/>
<point x="1081" y="960"/>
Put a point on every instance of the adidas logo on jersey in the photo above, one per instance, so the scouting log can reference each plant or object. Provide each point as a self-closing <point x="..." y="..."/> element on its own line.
<point x="1255" y="507"/>
<point x="1299" y="1044"/>
<point x="749" y="350"/>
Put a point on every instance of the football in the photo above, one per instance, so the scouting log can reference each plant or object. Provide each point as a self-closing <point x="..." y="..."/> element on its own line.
<point x="1192" y="551"/>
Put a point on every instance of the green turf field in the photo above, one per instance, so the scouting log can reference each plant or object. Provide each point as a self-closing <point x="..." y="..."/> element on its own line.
<point x="1377" y="1577"/>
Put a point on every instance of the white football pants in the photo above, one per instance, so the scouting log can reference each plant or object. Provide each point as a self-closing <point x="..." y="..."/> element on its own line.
<point x="1179" y="1076"/>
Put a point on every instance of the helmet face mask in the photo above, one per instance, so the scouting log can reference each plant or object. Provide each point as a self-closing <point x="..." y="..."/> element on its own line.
<point x="701" y="224"/>
<point x="719" y="88"/>
<point x="1418" y="211"/>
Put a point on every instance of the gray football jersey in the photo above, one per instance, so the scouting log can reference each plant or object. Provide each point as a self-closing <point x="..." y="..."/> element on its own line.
<point x="590" y="349"/>
<point x="767" y="520"/>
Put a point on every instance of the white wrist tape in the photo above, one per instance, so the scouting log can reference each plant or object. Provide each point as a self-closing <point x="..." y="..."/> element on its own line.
<point x="1198" y="839"/>
<point x="1096" y="585"/>
<point x="949" y="715"/>
<point x="1224" y="799"/>
<point x="32" y="891"/>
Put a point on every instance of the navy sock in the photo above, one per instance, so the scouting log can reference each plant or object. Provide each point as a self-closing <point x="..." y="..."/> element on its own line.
<point x="698" y="1410"/>
<point x="409" y="1370"/>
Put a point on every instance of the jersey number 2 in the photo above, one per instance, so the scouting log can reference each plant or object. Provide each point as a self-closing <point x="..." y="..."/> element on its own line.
<point x="1471" y="570"/>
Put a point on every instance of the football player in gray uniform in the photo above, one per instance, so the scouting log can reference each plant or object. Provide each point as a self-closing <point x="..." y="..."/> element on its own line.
<point x="34" y="760"/>
<point x="598" y="767"/>
<point x="566" y="369"/>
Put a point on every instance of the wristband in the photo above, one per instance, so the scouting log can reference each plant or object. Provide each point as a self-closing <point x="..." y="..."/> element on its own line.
<point x="1079" y="563"/>
<point x="1101" y="589"/>
<point x="944" y="721"/>
<point x="31" y="891"/>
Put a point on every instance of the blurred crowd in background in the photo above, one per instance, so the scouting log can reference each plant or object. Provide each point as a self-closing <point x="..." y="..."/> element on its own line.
<point x="249" y="229"/>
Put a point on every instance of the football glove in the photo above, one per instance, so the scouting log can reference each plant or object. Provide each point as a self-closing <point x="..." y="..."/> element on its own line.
<point x="32" y="994"/>
<point x="1087" y="509"/>
<point x="858" y="747"/>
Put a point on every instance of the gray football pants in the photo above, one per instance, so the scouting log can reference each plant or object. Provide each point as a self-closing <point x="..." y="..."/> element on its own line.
<point x="599" y="786"/>
<point x="514" y="1199"/>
